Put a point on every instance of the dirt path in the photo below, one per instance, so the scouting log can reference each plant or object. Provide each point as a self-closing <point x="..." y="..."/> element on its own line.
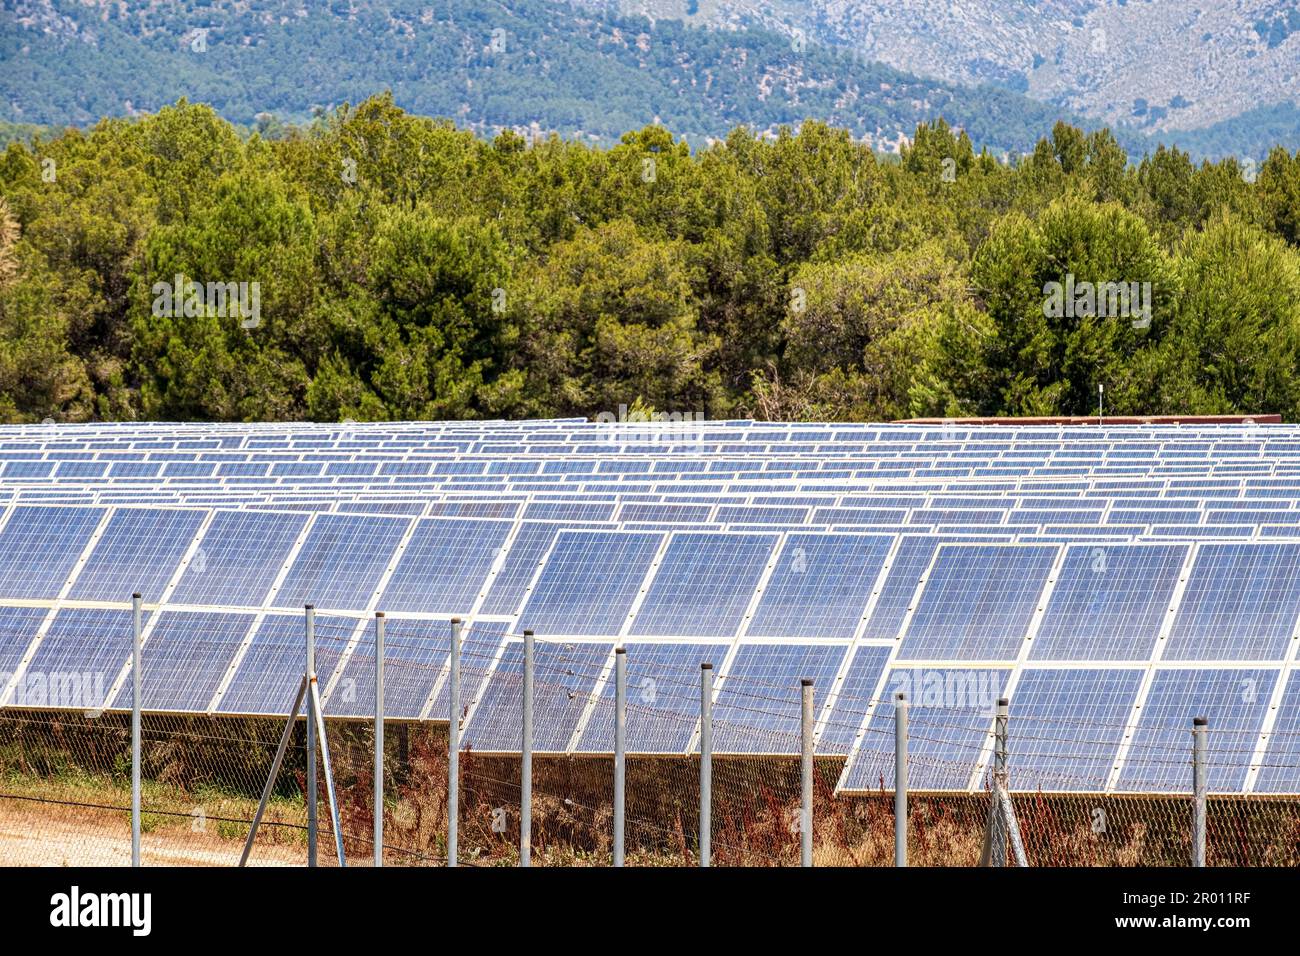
<point x="71" y="837"/>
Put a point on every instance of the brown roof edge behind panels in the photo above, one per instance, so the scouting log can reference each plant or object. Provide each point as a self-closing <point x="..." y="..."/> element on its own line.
<point x="1269" y="419"/>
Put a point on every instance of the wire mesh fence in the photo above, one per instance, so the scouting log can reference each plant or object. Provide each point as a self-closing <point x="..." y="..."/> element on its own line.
<point x="65" y="772"/>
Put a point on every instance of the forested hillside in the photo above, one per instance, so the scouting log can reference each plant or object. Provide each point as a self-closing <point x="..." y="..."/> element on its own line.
<point x="409" y="269"/>
<point x="578" y="71"/>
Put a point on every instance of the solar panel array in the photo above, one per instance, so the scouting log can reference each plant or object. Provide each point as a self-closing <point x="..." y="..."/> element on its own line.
<point x="1120" y="578"/>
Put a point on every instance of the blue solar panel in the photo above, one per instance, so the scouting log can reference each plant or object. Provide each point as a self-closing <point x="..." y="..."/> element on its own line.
<point x="444" y="566"/>
<point x="139" y="550"/>
<point x="268" y="675"/>
<point x="589" y="582"/>
<point x="1109" y="602"/>
<point x="415" y="659"/>
<point x="855" y="696"/>
<point x="1234" y="701"/>
<point x="1279" y="772"/>
<point x="759" y="701"/>
<point x="39" y="547"/>
<point x="564" y="681"/>
<point x="950" y="721"/>
<point x="977" y="602"/>
<point x="341" y="562"/>
<point x="1067" y="727"/>
<point x="1241" y="603"/>
<point x="703" y="585"/>
<point x="185" y="656"/>
<point x="523" y="557"/>
<point x="820" y="586"/>
<point x="76" y="662"/>
<point x="238" y="558"/>
<point x="18" y="625"/>
<point x="663" y="703"/>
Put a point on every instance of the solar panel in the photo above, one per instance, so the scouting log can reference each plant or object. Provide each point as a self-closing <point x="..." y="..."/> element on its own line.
<point x="977" y="602"/>
<point x="39" y="546"/>
<point x="75" y="663"/>
<point x="341" y="562"/>
<point x="185" y="656"/>
<point x="1068" y="726"/>
<point x="1234" y="701"/>
<point x="663" y="705"/>
<point x="950" y="721"/>
<point x="1109" y="602"/>
<point x="564" y="681"/>
<point x="820" y="586"/>
<point x="267" y="676"/>
<point x="588" y="582"/>
<point x="1241" y="603"/>
<point x="854" y="697"/>
<point x="1279" y="771"/>
<point x="237" y="558"/>
<point x="759" y="701"/>
<point x="703" y="585"/>
<point x="444" y="565"/>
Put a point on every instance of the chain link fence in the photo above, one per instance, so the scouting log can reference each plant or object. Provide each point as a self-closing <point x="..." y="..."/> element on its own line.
<point x="65" y="773"/>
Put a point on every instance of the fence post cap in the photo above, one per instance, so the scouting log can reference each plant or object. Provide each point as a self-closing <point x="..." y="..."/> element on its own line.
<point x="1199" y="722"/>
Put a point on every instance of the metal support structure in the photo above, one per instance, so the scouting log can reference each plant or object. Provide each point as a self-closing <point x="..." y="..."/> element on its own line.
<point x="275" y="769"/>
<point x="807" y="721"/>
<point x="379" y="738"/>
<point x="1200" y="729"/>
<point x="620" y="750"/>
<point x="314" y="703"/>
<point x="1001" y="814"/>
<point x="900" y="780"/>
<point x="526" y="760"/>
<point x="706" y="763"/>
<point x="135" y="729"/>
<point x="310" y="795"/>
<point x="453" y="747"/>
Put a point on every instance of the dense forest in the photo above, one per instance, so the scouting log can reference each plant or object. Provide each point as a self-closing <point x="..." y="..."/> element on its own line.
<point x="407" y="269"/>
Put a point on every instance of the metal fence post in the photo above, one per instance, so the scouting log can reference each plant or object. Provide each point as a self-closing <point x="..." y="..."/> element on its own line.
<point x="620" y="750"/>
<point x="900" y="780"/>
<point x="526" y="760"/>
<point x="706" y="763"/>
<point x="1200" y="727"/>
<point x="998" y="854"/>
<point x="135" y="730"/>
<point x="453" y="747"/>
<point x="806" y="775"/>
<point x="310" y="795"/>
<point x="379" y="738"/>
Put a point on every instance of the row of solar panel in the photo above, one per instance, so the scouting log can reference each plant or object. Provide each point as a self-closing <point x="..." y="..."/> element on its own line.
<point x="1077" y="729"/>
<point x="1237" y="600"/>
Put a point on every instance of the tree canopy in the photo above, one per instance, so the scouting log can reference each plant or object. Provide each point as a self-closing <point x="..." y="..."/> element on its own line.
<point x="408" y="269"/>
